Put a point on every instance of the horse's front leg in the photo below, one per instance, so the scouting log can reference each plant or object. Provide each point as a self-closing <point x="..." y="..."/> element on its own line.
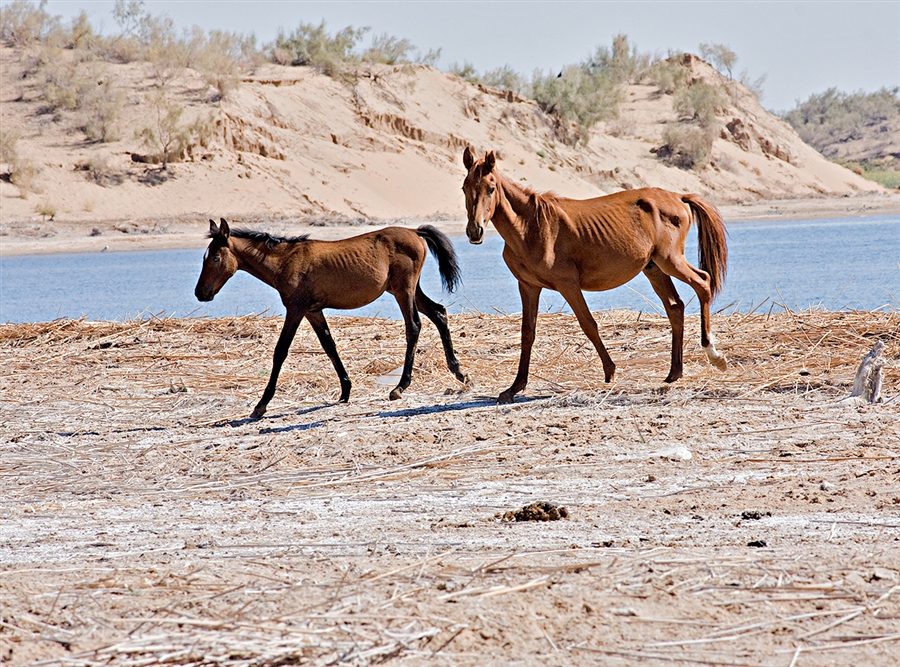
<point x="320" y="326"/>
<point x="530" y="299"/>
<point x="291" y="321"/>
<point x="413" y="326"/>
<point x="575" y="298"/>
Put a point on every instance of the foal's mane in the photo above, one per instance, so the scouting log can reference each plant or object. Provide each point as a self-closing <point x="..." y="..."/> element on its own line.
<point x="269" y="240"/>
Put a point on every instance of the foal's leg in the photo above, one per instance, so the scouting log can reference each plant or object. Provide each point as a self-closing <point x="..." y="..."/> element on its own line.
<point x="438" y="314"/>
<point x="665" y="290"/>
<point x="320" y="326"/>
<point x="575" y="298"/>
<point x="291" y="321"/>
<point x="406" y="301"/>
<point x="530" y="299"/>
<point x="679" y="267"/>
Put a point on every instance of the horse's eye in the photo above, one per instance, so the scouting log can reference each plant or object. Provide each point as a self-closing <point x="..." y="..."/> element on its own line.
<point x="216" y="259"/>
<point x="491" y="190"/>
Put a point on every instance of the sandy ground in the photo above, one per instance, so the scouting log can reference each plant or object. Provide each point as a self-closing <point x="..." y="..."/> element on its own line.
<point x="737" y="518"/>
<point x="33" y="237"/>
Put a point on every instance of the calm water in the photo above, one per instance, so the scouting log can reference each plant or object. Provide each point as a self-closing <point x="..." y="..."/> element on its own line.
<point x="844" y="264"/>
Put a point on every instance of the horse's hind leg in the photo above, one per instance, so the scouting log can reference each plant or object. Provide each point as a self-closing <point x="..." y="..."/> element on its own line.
<point x="291" y="321"/>
<point x="320" y="326"/>
<point x="665" y="290"/>
<point x="406" y="301"/>
<point x="438" y="314"/>
<point x="679" y="267"/>
<point x="575" y="299"/>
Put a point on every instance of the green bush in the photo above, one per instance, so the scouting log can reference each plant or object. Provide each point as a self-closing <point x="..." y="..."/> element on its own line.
<point x="669" y="75"/>
<point x="578" y="96"/>
<point x="313" y="46"/>
<point x="506" y="78"/>
<point x="699" y="102"/>
<point x="833" y="117"/>
<point x="687" y="146"/>
<point x="621" y="64"/>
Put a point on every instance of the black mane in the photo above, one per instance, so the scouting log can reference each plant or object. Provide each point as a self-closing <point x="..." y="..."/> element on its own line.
<point x="264" y="237"/>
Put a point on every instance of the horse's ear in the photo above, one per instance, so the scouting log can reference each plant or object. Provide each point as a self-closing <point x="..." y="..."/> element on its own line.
<point x="223" y="228"/>
<point x="468" y="159"/>
<point x="213" y="228"/>
<point x="490" y="161"/>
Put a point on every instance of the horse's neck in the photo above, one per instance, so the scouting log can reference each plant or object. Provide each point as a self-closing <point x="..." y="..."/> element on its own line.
<point x="260" y="263"/>
<point x="516" y="218"/>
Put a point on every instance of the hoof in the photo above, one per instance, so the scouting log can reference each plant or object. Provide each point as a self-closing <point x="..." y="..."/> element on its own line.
<point x="257" y="414"/>
<point x="462" y="377"/>
<point x="345" y="398"/>
<point x="505" y="398"/>
<point x="672" y="377"/>
<point x="721" y="362"/>
<point x="396" y="394"/>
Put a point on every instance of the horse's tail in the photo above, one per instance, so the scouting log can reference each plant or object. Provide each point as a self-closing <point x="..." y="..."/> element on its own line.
<point x="442" y="249"/>
<point x="711" y="235"/>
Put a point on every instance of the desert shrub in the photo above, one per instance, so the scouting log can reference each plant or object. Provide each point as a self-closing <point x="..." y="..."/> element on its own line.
<point x="466" y="72"/>
<point x="23" y="22"/>
<point x="621" y="64"/>
<point x="700" y="102"/>
<point x="833" y="117"/>
<point x="166" y="135"/>
<point x="578" y="96"/>
<point x="313" y="46"/>
<point x="45" y="210"/>
<point x="388" y="50"/>
<point x="687" y="146"/>
<point x="23" y="173"/>
<point x="61" y="79"/>
<point x="668" y="75"/>
<point x="100" y="105"/>
<point x="506" y="78"/>
<point x="221" y="57"/>
<point x="719" y="56"/>
<point x="8" y="141"/>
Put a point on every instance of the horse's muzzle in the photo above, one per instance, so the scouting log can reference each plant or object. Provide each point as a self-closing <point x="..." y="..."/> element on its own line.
<point x="475" y="234"/>
<point x="203" y="295"/>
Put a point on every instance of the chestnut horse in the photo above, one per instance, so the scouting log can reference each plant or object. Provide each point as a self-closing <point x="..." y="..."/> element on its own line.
<point x="312" y="275"/>
<point x="570" y="245"/>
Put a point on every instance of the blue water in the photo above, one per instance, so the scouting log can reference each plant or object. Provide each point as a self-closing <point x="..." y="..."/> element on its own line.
<point x="840" y="264"/>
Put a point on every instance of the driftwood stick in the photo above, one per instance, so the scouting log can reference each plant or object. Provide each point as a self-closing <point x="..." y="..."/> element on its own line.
<point x="867" y="383"/>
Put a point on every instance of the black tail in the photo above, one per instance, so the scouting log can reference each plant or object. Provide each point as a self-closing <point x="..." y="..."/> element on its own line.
<point x="442" y="249"/>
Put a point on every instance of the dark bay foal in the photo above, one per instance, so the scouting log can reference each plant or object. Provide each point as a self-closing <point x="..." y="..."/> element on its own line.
<point x="311" y="275"/>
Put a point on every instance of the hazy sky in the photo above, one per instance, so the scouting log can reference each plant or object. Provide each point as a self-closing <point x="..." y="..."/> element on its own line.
<point x="801" y="47"/>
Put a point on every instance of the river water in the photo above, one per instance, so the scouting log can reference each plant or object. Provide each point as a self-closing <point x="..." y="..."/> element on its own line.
<point x="831" y="264"/>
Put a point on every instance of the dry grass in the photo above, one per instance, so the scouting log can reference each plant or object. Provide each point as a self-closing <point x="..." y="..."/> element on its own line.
<point x="145" y="521"/>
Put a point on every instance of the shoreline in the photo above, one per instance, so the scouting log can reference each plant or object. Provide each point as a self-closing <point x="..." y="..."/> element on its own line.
<point x="39" y="237"/>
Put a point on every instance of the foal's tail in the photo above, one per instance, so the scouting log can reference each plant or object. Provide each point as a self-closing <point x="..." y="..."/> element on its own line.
<point x="711" y="236"/>
<point x="443" y="252"/>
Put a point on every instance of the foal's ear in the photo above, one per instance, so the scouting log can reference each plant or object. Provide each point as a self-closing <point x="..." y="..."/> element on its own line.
<point x="223" y="228"/>
<point x="213" y="228"/>
<point x="490" y="161"/>
<point x="468" y="159"/>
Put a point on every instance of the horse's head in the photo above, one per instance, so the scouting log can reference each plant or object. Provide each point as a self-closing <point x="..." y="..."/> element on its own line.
<point x="482" y="195"/>
<point x="219" y="262"/>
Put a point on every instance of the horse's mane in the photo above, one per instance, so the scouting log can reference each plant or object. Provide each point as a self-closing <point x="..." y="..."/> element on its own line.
<point x="545" y="204"/>
<point x="270" y="240"/>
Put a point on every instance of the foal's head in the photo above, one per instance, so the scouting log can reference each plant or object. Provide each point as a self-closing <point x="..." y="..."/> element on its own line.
<point x="219" y="262"/>
<point x="482" y="195"/>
